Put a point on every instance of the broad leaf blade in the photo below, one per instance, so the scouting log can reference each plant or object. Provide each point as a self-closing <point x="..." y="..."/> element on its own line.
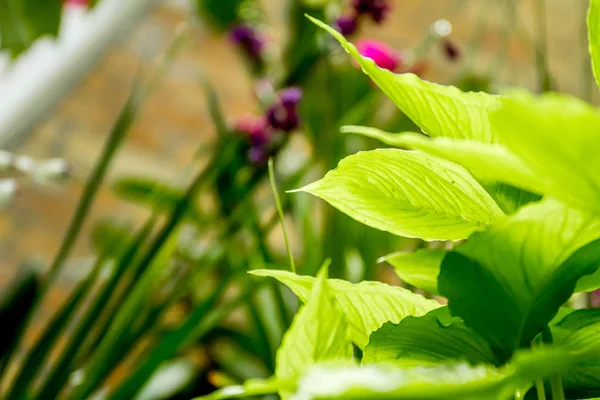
<point x="508" y="283"/>
<point x="318" y="333"/>
<point x="556" y="136"/>
<point x="452" y="381"/>
<point x="419" y="269"/>
<point x="252" y="387"/>
<point x="438" y="110"/>
<point x="578" y="331"/>
<point x="367" y="305"/>
<point x="428" y="340"/>
<point x="408" y="193"/>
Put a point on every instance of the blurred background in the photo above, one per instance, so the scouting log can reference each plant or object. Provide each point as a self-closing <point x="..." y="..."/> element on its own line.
<point x="476" y="44"/>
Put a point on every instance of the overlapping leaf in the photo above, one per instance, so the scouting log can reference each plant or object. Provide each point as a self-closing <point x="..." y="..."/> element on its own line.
<point x="319" y="332"/>
<point x="508" y="283"/>
<point x="556" y="136"/>
<point x="408" y="193"/>
<point x="419" y="269"/>
<point x="438" y="110"/>
<point x="431" y="339"/>
<point x="367" y="305"/>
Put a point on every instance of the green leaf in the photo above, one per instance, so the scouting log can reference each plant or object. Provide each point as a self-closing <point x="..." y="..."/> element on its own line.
<point x="252" y="387"/>
<point x="508" y="283"/>
<point x="594" y="37"/>
<point x="452" y="381"/>
<point x="589" y="283"/>
<point x="578" y="332"/>
<point x="22" y="22"/>
<point x="433" y="338"/>
<point x="556" y="136"/>
<point x="419" y="269"/>
<point x="486" y="162"/>
<point x="319" y="332"/>
<point x="490" y="164"/>
<point x="438" y="110"/>
<point x="159" y="196"/>
<point x="409" y="194"/>
<point x="367" y="305"/>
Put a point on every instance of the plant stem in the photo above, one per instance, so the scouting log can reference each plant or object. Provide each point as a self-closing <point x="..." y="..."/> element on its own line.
<point x="586" y="71"/>
<point x="558" y="393"/>
<point x="541" y="46"/>
<point x="280" y="211"/>
<point x="556" y="385"/>
<point x="541" y="392"/>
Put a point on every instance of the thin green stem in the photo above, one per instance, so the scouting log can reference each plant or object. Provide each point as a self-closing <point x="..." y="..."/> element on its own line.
<point x="587" y="87"/>
<point x="556" y="385"/>
<point x="541" y="47"/>
<point x="280" y="211"/>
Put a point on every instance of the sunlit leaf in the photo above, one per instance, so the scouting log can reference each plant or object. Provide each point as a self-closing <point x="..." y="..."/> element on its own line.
<point x="508" y="282"/>
<point x="556" y="136"/>
<point x="319" y="332"/>
<point x="252" y="387"/>
<point x="438" y="110"/>
<point x="419" y="269"/>
<point x="578" y="331"/>
<point x="367" y="305"/>
<point x="430" y="339"/>
<point x="452" y="381"/>
<point x="408" y="193"/>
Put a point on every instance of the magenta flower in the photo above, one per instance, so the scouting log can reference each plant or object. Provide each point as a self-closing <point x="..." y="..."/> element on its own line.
<point x="383" y="55"/>
<point x="256" y="128"/>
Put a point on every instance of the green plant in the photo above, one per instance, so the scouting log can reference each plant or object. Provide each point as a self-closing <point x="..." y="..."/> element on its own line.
<point x="515" y="176"/>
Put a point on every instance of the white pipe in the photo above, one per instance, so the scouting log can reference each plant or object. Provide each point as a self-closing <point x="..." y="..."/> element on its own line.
<point x="26" y="100"/>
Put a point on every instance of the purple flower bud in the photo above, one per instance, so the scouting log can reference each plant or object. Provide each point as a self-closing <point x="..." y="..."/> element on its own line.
<point x="281" y="118"/>
<point x="347" y="24"/>
<point x="257" y="155"/>
<point x="290" y="97"/>
<point x="256" y="128"/>
<point x="247" y="37"/>
<point x="377" y="9"/>
<point x="451" y="50"/>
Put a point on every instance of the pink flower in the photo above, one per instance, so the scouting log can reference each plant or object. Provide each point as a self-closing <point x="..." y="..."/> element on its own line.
<point x="255" y="127"/>
<point x="83" y="3"/>
<point x="382" y="54"/>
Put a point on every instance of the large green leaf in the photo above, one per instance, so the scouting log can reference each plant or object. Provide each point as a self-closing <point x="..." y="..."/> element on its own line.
<point x="319" y="332"/>
<point x="252" y="387"/>
<point x="508" y="283"/>
<point x="450" y="382"/>
<point x="408" y="193"/>
<point x="438" y="110"/>
<point x="594" y="37"/>
<point x="500" y="172"/>
<point x="556" y="136"/>
<point x="430" y="339"/>
<point x="367" y="305"/>
<point x="419" y="269"/>
<point x="578" y="332"/>
<point x="24" y="21"/>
